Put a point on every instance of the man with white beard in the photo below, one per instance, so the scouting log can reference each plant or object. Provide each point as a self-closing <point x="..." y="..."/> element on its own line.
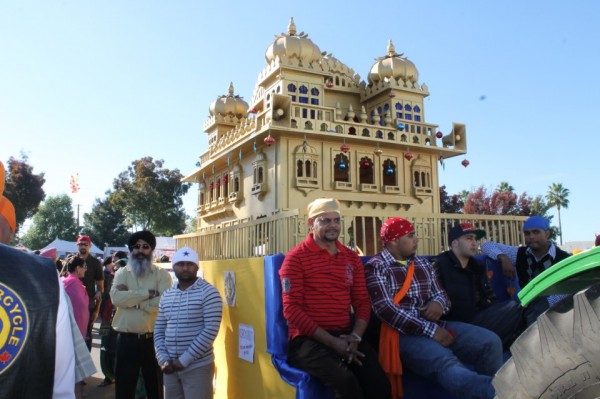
<point x="136" y="293"/>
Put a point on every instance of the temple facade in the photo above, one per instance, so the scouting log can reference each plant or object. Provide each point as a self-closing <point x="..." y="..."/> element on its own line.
<point x="313" y="128"/>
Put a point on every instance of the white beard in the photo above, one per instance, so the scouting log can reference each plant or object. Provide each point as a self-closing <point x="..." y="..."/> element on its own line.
<point x="140" y="267"/>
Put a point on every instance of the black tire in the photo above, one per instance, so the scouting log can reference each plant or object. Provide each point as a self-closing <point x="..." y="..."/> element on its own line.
<point x="558" y="356"/>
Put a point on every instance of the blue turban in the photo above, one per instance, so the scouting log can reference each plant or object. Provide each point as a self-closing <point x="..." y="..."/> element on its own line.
<point x="536" y="222"/>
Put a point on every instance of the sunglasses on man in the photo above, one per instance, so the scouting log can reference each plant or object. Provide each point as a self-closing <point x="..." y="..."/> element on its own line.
<point x="144" y="246"/>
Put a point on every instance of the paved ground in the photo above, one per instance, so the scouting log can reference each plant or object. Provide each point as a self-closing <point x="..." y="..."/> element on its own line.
<point x="92" y="390"/>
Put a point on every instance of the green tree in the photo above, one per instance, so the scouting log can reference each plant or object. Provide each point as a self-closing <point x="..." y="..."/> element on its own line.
<point x="105" y="224"/>
<point x="24" y="188"/>
<point x="191" y="224"/>
<point x="558" y="196"/>
<point x="504" y="186"/>
<point x="450" y="203"/>
<point x="54" y="219"/>
<point x="150" y="197"/>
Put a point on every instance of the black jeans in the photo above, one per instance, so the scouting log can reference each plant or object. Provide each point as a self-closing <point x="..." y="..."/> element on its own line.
<point x="134" y="352"/>
<point x="348" y="381"/>
<point x="505" y="318"/>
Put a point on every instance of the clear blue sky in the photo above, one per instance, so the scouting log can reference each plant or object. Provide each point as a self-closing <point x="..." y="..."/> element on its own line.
<point x="87" y="86"/>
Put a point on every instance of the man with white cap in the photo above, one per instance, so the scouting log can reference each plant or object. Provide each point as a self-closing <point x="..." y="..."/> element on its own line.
<point x="408" y="297"/>
<point x="538" y="254"/>
<point x="189" y="317"/>
<point x="321" y="281"/>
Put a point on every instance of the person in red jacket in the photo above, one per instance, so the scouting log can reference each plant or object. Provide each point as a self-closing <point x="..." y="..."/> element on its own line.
<point x="322" y="281"/>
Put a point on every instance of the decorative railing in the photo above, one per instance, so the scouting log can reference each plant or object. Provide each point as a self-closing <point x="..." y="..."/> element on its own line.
<point x="285" y="229"/>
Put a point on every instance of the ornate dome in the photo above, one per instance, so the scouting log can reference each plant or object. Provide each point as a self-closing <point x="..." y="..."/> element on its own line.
<point x="394" y="66"/>
<point x="293" y="46"/>
<point x="229" y="104"/>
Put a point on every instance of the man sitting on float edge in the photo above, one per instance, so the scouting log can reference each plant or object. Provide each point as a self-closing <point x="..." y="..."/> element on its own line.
<point x="429" y="346"/>
<point x="466" y="283"/>
<point x="538" y="255"/>
<point x="321" y="280"/>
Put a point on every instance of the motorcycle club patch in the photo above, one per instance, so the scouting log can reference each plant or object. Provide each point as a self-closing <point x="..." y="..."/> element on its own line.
<point x="14" y="326"/>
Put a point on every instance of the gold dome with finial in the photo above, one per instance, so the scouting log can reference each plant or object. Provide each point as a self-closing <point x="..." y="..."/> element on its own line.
<point x="393" y="66"/>
<point x="229" y="104"/>
<point x="293" y="46"/>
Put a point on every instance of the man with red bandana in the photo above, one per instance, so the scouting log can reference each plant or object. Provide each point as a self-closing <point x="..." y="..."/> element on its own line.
<point x="430" y="347"/>
<point x="321" y="281"/>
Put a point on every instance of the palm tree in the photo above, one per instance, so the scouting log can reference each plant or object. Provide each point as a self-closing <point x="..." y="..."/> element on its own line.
<point x="558" y="196"/>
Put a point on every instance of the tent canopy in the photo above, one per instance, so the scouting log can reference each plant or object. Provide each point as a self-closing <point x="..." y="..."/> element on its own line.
<point x="70" y="247"/>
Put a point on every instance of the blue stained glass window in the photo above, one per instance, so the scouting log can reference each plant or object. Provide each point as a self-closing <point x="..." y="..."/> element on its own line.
<point x="386" y="107"/>
<point x="312" y="114"/>
<point x="314" y="91"/>
<point x="303" y="89"/>
<point x="407" y="107"/>
<point x="399" y="106"/>
<point x="399" y="115"/>
<point x="304" y="112"/>
<point x="292" y="87"/>
<point x="314" y="101"/>
<point x="408" y="117"/>
<point x="417" y="108"/>
<point x="418" y="118"/>
<point x="303" y="100"/>
<point x="293" y="98"/>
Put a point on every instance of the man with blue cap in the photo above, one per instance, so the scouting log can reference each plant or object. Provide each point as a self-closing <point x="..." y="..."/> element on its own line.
<point x="526" y="263"/>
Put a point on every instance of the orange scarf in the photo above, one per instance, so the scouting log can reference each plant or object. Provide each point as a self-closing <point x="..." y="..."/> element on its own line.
<point x="389" y="344"/>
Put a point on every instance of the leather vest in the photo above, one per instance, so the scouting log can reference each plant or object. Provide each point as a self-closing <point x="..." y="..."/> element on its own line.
<point x="29" y="296"/>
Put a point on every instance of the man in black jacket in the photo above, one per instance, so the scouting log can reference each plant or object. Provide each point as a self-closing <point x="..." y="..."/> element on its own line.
<point x="466" y="283"/>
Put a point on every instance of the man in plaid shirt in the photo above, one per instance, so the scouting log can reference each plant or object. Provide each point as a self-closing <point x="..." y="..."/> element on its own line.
<point x="429" y="346"/>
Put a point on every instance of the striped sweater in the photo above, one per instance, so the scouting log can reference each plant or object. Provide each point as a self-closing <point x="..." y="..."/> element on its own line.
<point x="187" y="324"/>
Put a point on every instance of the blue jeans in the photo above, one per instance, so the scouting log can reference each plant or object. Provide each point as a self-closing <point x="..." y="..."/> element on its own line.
<point x="473" y="345"/>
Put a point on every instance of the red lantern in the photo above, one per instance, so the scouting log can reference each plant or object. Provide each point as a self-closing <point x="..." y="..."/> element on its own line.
<point x="269" y="140"/>
<point x="225" y="179"/>
<point x="210" y="186"/>
<point x="345" y="147"/>
<point x="439" y="135"/>
<point x="409" y="155"/>
<point x="218" y="183"/>
<point x="253" y="111"/>
<point x="465" y="163"/>
<point x="366" y="164"/>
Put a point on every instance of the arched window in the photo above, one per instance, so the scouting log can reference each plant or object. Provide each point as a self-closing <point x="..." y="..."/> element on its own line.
<point x="315" y="169"/>
<point x="303" y="89"/>
<point x="292" y="88"/>
<point x="390" y="136"/>
<point x="389" y="173"/>
<point x="236" y="184"/>
<point x="324" y="127"/>
<point x="417" y="108"/>
<point x="308" y="167"/>
<point x="339" y="129"/>
<point x="366" y="171"/>
<point x="379" y="134"/>
<point x="299" y="169"/>
<point x="407" y="107"/>
<point x="352" y="131"/>
<point x="314" y="91"/>
<point x="366" y="132"/>
<point x="341" y="168"/>
<point x="417" y="180"/>
<point x="399" y="106"/>
<point x="260" y="174"/>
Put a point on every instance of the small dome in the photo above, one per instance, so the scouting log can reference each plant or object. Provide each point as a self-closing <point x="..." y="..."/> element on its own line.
<point x="293" y="46"/>
<point x="229" y="104"/>
<point x="394" y="66"/>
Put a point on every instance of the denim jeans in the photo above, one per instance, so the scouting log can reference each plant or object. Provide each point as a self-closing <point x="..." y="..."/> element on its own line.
<point x="476" y="346"/>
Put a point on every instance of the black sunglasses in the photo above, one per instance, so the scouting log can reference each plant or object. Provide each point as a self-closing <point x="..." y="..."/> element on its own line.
<point x="138" y="246"/>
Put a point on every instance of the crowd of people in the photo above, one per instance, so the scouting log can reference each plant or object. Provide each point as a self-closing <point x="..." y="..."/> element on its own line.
<point x="437" y="316"/>
<point x="351" y="326"/>
<point x="47" y="320"/>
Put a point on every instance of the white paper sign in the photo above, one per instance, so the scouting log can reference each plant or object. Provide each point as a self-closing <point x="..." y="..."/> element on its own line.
<point x="246" y="343"/>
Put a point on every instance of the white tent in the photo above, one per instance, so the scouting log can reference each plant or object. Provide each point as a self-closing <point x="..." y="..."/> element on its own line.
<point x="64" y="248"/>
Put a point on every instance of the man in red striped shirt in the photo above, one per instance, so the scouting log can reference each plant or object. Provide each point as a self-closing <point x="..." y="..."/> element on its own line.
<point x="322" y="282"/>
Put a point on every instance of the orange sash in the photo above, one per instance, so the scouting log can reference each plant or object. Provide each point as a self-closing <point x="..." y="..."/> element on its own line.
<point x="389" y="344"/>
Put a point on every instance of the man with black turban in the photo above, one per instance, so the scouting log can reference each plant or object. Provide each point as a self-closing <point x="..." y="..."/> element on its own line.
<point x="136" y="293"/>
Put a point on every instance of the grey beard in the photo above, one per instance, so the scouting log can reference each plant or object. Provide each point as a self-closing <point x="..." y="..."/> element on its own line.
<point x="140" y="267"/>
